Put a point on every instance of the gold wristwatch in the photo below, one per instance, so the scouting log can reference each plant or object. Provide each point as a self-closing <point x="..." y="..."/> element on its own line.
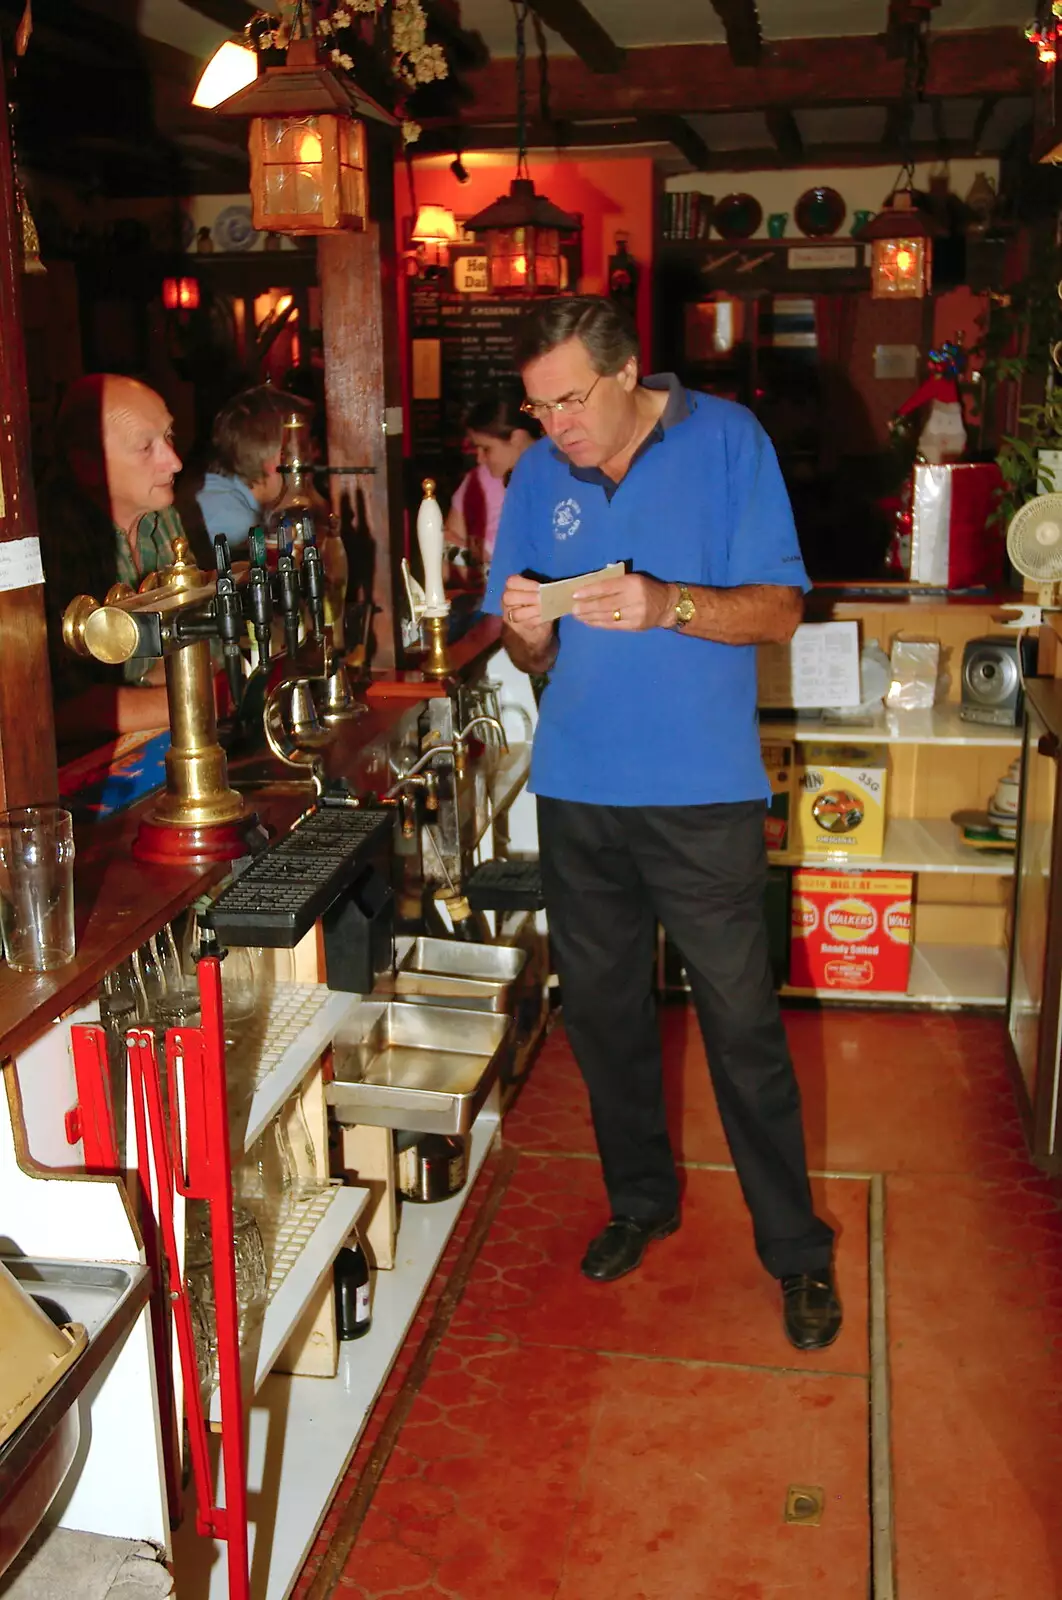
<point x="685" y="610"/>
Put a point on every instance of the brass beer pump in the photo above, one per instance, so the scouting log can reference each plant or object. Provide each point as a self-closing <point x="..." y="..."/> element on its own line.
<point x="178" y="614"/>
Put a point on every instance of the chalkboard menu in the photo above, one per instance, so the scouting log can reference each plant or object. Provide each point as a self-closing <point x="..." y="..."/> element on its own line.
<point x="461" y="353"/>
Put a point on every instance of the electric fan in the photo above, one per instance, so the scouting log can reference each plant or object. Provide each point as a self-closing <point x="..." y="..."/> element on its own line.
<point x="1034" y="545"/>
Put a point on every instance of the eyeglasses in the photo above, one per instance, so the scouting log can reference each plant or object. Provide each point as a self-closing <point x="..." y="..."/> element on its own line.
<point x="568" y="408"/>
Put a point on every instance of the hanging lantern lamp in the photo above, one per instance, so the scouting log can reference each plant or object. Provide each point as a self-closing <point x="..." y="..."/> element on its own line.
<point x="306" y="141"/>
<point x="522" y="230"/>
<point x="901" y="241"/>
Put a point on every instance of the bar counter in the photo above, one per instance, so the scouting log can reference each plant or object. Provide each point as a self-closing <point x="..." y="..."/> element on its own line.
<point x="120" y="902"/>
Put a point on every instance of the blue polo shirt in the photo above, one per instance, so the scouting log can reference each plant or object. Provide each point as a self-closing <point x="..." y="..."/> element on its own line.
<point x="228" y="507"/>
<point x="656" y="717"/>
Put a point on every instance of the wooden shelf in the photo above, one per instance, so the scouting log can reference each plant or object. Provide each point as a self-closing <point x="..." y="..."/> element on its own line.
<point x="311" y="1237"/>
<point x="911" y="845"/>
<point x="277" y="1050"/>
<point x="946" y="975"/>
<point x="941" y="725"/>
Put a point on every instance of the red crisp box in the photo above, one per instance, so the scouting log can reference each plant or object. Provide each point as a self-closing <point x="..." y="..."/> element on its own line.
<point x="851" y="931"/>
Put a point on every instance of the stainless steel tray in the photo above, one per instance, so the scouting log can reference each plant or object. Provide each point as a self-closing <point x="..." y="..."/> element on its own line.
<point x="455" y="958"/>
<point x="449" y="972"/>
<point x="422" y="1067"/>
<point x="106" y="1298"/>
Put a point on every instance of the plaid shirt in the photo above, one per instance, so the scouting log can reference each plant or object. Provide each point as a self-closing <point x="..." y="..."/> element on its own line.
<point x="85" y="553"/>
<point x="155" y="534"/>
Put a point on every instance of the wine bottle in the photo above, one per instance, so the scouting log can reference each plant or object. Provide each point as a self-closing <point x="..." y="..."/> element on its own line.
<point x="353" y="1291"/>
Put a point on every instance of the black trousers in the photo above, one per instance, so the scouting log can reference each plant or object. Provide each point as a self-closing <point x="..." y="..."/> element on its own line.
<point x="609" y="874"/>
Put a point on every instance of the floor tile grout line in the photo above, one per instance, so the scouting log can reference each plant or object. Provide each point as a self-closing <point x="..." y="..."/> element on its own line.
<point x="883" y="1536"/>
<point x="693" y="1166"/>
<point x="676" y="1361"/>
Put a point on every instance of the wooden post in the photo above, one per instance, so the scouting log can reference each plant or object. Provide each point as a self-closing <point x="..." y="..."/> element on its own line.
<point x="27" y="724"/>
<point x="359" y="315"/>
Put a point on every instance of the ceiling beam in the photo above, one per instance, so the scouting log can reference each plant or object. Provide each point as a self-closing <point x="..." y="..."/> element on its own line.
<point x="678" y="132"/>
<point x="785" y="131"/>
<point x="897" y="125"/>
<point x="741" y="24"/>
<point x="794" y="72"/>
<point x="983" y="118"/>
<point x="231" y="14"/>
<point x="580" y="29"/>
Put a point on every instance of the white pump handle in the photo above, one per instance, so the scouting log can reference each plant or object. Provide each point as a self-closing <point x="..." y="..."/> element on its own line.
<point x="430" y="539"/>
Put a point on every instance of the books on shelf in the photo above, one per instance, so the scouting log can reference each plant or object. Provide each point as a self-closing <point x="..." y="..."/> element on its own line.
<point x="685" y="215"/>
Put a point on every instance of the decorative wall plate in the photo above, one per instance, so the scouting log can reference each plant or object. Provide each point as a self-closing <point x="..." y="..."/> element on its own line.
<point x="819" y="213"/>
<point x="737" y="216"/>
<point x="234" y="230"/>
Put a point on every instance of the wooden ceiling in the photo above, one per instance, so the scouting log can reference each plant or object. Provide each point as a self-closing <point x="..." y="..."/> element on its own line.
<point x="103" y="93"/>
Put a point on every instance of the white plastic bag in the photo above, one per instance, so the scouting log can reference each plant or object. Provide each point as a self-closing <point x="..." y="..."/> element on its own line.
<point x="914" y="665"/>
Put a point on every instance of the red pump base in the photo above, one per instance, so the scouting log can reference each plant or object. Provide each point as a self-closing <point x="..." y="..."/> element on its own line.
<point x="164" y="845"/>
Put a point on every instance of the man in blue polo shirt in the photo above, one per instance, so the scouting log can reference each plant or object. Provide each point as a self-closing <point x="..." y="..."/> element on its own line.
<point x="646" y="764"/>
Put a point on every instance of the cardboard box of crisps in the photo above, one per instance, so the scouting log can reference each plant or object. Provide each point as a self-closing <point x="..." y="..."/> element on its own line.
<point x="840" y="801"/>
<point x="851" y="931"/>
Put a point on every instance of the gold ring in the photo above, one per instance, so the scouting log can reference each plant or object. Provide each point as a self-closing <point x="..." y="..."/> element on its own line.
<point x="510" y="614"/>
<point x="616" y="615"/>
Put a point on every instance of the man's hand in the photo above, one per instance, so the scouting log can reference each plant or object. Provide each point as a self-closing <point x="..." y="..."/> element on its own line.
<point x="522" y="611"/>
<point x="531" y="642"/>
<point x="630" y="602"/>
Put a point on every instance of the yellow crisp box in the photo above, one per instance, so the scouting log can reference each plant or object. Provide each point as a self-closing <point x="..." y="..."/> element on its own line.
<point x="840" y="801"/>
<point x="778" y="763"/>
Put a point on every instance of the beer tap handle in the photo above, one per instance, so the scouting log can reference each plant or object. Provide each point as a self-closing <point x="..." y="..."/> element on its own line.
<point x="228" y="617"/>
<point x="313" y="581"/>
<point x="222" y="555"/>
<point x="289" y="602"/>
<point x="259" y="601"/>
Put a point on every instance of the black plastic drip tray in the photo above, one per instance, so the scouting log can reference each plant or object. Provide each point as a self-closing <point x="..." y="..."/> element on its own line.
<point x="505" y="886"/>
<point x="285" y="889"/>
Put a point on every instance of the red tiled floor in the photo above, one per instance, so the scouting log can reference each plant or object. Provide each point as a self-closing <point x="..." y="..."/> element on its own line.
<point x="700" y="1295"/>
<point x="974" y="1275"/>
<point x="563" y="1474"/>
<point x="936" y="1083"/>
<point x="570" y="1443"/>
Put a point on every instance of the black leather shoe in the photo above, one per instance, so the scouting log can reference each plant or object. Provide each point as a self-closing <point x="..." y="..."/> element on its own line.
<point x="619" y="1248"/>
<point x="811" y="1311"/>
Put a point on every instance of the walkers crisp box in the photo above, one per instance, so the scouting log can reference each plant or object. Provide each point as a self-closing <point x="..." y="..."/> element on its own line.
<point x="840" y="806"/>
<point x="778" y="762"/>
<point x="851" y="932"/>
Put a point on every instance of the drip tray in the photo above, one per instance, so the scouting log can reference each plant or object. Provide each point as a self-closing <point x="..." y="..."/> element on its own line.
<point x="448" y="972"/>
<point x="424" y="1067"/>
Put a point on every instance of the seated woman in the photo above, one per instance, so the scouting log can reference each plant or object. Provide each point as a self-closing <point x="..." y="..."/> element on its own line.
<point x="499" y="433"/>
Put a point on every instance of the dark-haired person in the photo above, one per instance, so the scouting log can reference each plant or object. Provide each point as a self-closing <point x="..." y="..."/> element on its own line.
<point x="243" y="478"/>
<point x="647" y="768"/>
<point x="106" y="516"/>
<point x="499" y="434"/>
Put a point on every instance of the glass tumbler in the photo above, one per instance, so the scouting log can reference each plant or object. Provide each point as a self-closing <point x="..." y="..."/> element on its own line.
<point x="37" y="887"/>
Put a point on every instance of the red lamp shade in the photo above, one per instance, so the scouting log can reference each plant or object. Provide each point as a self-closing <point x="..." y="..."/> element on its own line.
<point x="180" y="294"/>
<point x="523" y="235"/>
